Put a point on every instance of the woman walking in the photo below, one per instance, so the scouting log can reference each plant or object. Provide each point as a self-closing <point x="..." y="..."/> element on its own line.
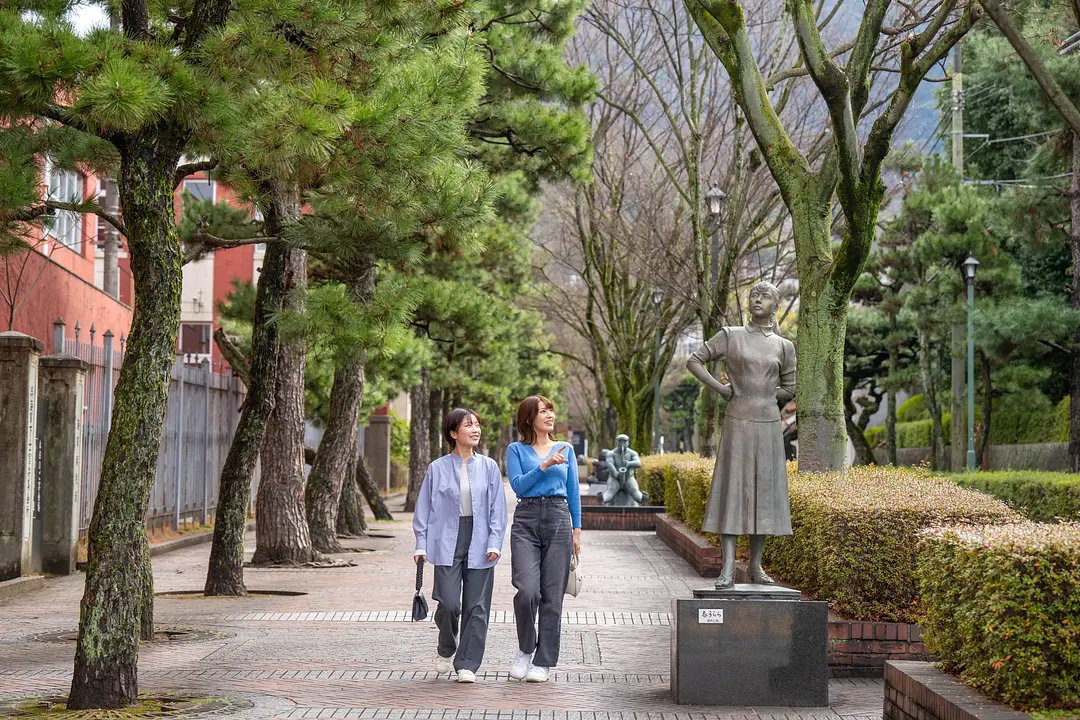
<point x="459" y="523"/>
<point x="545" y="534"/>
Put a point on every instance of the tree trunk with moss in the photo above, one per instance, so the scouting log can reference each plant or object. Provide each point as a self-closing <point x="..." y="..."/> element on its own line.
<point x="329" y="470"/>
<point x="370" y="492"/>
<point x="436" y="411"/>
<point x="119" y="588"/>
<point x="1074" y="355"/>
<point x="225" y="574"/>
<point x="850" y="171"/>
<point x="419" y="439"/>
<point x="350" y="520"/>
<point x="281" y="526"/>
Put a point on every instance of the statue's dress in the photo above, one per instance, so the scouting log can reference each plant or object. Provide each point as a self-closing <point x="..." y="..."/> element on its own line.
<point x="749" y="493"/>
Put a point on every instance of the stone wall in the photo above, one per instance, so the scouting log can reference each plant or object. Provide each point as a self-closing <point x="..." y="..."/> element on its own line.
<point x="607" y="517"/>
<point x="919" y="691"/>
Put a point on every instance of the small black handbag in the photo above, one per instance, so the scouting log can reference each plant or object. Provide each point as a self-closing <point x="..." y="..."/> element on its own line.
<point x="419" y="604"/>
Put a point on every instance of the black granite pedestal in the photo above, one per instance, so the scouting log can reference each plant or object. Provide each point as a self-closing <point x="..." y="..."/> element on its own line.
<point x="750" y="645"/>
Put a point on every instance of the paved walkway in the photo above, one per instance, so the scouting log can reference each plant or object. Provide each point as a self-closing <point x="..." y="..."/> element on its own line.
<point x="345" y="648"/>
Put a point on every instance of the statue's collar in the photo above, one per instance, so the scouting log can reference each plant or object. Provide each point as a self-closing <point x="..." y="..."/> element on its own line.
<point x="766" y="331"/>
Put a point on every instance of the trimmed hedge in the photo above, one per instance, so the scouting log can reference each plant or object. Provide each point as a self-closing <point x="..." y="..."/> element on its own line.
<point x="651" y="475"/>
<point x="1041" y="496"/>
<point x="856" y="532"/>
<point x="1007" y="427"/>
<point x="686" y="488"/>
<point x="1001" y="608"/>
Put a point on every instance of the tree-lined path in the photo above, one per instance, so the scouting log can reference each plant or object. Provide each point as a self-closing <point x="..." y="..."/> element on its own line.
<point x="346" y="649"/>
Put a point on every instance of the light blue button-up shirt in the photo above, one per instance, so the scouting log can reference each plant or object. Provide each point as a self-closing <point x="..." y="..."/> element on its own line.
<point x="438" y="510"/>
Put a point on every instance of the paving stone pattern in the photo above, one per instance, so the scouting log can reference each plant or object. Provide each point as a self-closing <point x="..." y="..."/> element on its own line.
<point x="346" y="648"/>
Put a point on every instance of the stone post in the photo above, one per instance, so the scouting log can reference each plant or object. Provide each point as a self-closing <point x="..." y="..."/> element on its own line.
<point x="18" y="439"/>
<point x="63" y="385"/>
<point x="377" y="450"/>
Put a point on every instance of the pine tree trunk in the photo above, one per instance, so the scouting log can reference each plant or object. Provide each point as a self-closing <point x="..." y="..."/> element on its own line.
<point x="435" y="418"/>
<point x="819" y="386"/>
<point x="983" y="458"/>
<point x="146" y="618"/>
<point x="119" y="584"/>
<point x="926" y="371"/>
<point x="864" y="454"/>
<point x="419" y="439"/>
<point x="890" y="411"/>
<point x="1074" y="360"/>
<point x="281" y="527"/>
<point x="370" y="492"/>
<point x="330" y="468"/>
<point x="350" y="516"/>
<point x="225" y="574"/>
<point x="958" y="369"/>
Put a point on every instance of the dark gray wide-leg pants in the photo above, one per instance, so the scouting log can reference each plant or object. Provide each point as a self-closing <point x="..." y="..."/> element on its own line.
<point x="541" y="542"/>
<point x="464" y="596"/>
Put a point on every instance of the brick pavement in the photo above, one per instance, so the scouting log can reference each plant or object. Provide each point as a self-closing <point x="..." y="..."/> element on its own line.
<point x="345" y="649"/>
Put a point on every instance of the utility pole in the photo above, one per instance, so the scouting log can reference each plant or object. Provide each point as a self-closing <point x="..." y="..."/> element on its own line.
<point x="956" y="350"/>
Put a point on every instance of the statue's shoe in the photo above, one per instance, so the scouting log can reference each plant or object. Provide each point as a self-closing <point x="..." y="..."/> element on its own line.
<point x="760" y="578"/>
<point x="723" y="582"/>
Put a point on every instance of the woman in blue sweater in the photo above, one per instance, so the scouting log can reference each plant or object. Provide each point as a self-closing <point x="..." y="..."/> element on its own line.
<point x="545" y="534"/>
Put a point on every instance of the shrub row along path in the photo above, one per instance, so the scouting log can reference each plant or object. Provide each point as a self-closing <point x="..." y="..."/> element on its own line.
<point x="346" y="648"/>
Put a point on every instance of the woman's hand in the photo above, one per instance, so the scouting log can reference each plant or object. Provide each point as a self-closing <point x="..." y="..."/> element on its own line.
<point x="556" y="459"/>
<point x="726" y="391"/>
<point x="416" y="558"/>
<point x="577" y="541"/>
<point x="493" y="556"/>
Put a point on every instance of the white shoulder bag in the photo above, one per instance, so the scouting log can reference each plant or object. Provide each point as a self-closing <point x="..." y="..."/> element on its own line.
<point x="573" y="584"/>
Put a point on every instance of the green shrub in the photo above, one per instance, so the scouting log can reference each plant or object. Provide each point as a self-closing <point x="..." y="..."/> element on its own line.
<point x="1000" y="607"/>
<point x="399" y="438"/>
<point x="686" y="489"/>
<point x="912" y="409"/>
<point x="651" y="475"/>
<point x="855" y="535"/>
<point x="1007" y="427"/>
<point x="1042" y="496"/>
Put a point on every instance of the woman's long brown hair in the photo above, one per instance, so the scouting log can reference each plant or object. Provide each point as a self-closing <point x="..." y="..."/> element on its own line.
<point x="527" y="412"/>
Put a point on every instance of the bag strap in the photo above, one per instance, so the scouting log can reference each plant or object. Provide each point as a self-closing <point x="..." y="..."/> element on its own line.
<point x="419" y="572"/>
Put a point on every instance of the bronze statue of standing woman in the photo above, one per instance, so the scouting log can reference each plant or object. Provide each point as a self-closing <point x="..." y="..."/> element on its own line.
<point x="749" y="493"/>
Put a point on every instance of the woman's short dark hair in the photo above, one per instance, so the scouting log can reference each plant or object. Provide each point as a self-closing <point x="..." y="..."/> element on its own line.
<point x="527" y="412"/>
<point x="453" y="421"/>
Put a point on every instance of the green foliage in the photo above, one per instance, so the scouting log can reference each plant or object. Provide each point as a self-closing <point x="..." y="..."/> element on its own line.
<point x="1000" y="608"/>
<point x="1042" y="496"/>
<point x="686" y="489"/>
<point x="399" y="439"/>
<point x="914" y="408"/>
<point x="855" y="532"/>
<point x="1008" y="426"/>
<point x="651" y="476"/>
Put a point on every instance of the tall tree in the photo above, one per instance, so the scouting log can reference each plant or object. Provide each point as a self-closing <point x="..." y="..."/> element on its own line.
<point x="850" y="169"/>
<point x="1057" y="78"/>
<point x="143" y="96"/>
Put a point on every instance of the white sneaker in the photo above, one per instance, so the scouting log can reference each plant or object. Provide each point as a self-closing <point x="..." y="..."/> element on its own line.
<point x="520" y="667"/>
<point x="443" y="665"/>
<point x="466" y="676"/>
<point x="538" y="674"/>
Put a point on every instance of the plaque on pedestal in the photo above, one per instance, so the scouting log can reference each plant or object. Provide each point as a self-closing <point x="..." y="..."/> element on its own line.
<point x="751" y="645"/>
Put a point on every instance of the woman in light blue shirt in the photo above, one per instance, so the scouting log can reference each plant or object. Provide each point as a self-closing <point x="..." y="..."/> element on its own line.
<point x="545" y="534"/>
<point x="459" y="523"/>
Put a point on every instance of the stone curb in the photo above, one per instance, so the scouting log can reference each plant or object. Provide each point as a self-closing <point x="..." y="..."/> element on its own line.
<point x="187" y="541"/>
<point x="21" y="586"/>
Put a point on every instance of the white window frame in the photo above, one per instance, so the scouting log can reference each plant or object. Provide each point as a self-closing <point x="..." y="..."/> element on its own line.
<point x="64" y="186"/>
<point x="206" y="181"/>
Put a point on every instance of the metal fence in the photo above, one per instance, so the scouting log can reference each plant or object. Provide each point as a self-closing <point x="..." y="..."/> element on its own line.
<point x="200" y="421"/>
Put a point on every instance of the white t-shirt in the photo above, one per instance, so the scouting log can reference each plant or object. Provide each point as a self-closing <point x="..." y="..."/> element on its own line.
<point x="466" y="491"/>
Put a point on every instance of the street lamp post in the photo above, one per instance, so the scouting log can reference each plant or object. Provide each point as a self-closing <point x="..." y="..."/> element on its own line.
<point x="658" y="299"/>
<point x="970" y="266"/>
<point x="714" y="199"/>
